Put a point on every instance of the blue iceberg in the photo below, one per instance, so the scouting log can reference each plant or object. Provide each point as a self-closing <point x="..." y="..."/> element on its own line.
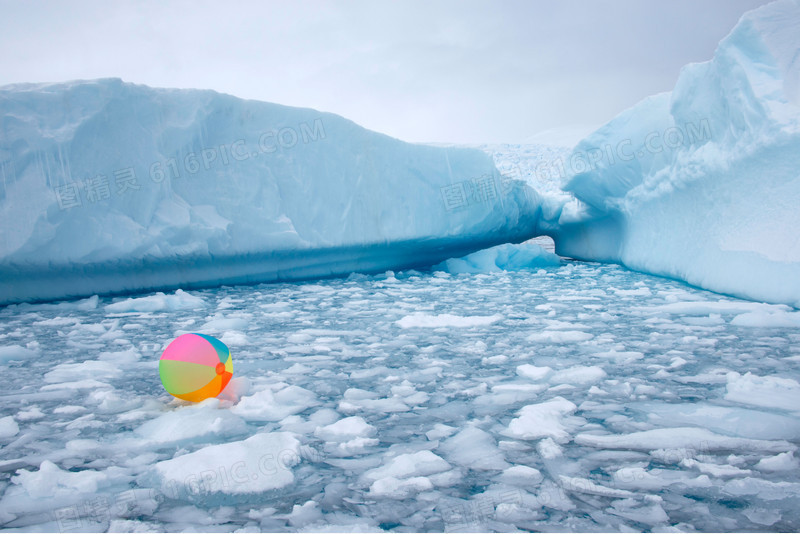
<point x="702" y="184"/>
<point x="110" y="187"/>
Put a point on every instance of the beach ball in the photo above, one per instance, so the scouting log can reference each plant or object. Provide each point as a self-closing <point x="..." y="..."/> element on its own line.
<point x="195" y="367"/>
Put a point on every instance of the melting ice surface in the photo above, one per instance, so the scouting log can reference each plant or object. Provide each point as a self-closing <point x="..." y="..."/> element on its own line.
<point x="572" y="396"/>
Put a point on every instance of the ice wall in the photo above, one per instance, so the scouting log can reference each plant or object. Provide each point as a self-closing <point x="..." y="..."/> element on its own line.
<point x="703" y="184"/>
<point x="109" y="187"/>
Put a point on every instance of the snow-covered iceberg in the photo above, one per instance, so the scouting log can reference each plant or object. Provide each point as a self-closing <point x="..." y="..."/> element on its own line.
<point x="109" y="187"/>
<point x="703" y="184"/>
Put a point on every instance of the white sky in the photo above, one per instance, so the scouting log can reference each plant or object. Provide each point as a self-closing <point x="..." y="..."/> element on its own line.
<point x="447" y="71"/>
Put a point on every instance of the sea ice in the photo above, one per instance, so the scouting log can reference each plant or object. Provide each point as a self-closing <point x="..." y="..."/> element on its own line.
<point x="259" y="463"/>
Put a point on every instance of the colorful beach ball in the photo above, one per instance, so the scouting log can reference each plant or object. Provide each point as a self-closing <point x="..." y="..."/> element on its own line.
<point x="195" y="367"/>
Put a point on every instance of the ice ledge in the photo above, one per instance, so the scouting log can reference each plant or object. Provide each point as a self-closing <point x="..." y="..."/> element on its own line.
<point x="41" y="283"/>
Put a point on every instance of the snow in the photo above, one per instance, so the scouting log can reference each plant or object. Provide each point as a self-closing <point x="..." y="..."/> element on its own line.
<point x="579" y="374"/>
<point x="15" y="352"/>
<point x="356" y="400"/>
<point x="98" y="369"/>
<point x="31" y="414"/>
<point x="111" y="187"/>
<point x="418" y="464"/>
<point x="158" y="302"/>
<point x="346" y="429"/>
<point x="763" y="516"/>
<point x="542" y="420"/>
<point x="521" y="475"/>
<point x="784" y="461"/>
<point x="8" y="427"/>
<point x="394" y="488"/>
<point x="266" y="405"/>
<point x="424" y="320"/>
<point x="702" y="184"/>
<point x="765" y="391"/>
<point x="687" y="438"/>
<point x="259" y="463"/>
<point x="191" y="423"/>
<point x="729" y="420"/>
<point x="775" y="319"/>
<point x="50" y="481"/>
<point x="440" y="431"/>
<point x="560" y="336"/>
<point x="475" y="449"/>
<point x="532" y="372"/>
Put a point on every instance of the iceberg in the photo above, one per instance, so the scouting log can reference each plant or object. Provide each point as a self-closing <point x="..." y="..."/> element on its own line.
<point x="110" y="187"/>
<point x="702" y="184"/>
<point x="506" y="257"/>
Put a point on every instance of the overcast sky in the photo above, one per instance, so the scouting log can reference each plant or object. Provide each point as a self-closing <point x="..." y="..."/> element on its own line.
<point x="446" y="71"/>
